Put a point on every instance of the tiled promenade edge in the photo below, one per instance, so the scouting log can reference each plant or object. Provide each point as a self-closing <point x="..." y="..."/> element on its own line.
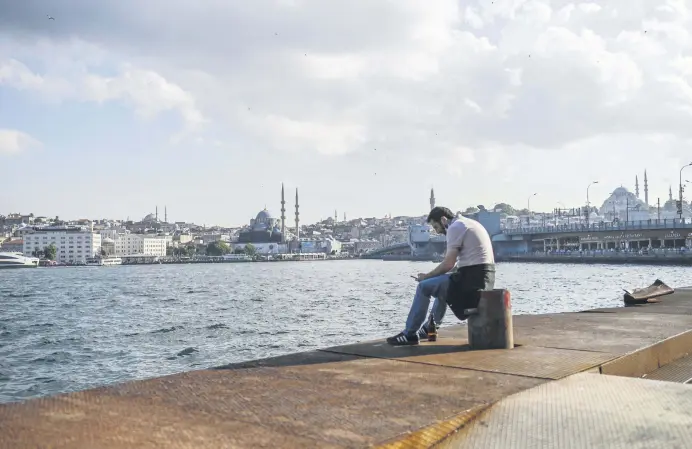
<point x="370" y="394"/>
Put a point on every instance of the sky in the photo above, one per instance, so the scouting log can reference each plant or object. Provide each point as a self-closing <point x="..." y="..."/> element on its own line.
<point x="113" y="108"/>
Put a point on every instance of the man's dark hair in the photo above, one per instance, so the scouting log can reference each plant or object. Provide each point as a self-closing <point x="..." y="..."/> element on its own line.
<point x="437" y="213"/>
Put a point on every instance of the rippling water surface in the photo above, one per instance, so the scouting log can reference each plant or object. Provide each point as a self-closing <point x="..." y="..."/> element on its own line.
<point x="66" y="329"/>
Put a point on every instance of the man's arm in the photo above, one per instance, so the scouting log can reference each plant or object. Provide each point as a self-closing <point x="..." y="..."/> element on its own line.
<point x="447" y="263"/>
<point x="455" y="235"/>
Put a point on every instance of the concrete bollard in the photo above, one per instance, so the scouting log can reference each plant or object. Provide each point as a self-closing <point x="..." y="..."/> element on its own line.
<point x="490" y="325"/>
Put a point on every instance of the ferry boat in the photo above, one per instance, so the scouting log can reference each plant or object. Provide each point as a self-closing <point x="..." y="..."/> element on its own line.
<point x="236" y="258"/>
<point x="103" y="261"/>
<point x="17" y="260"/>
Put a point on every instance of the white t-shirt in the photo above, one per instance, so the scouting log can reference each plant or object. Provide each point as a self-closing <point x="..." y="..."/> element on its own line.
<point x="473" y="241"/>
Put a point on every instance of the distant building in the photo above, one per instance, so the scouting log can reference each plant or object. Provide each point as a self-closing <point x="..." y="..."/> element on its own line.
<point x="211" y="238"/>
<point x="264" y="228"/>
<point x="15" y="245"/>
<point x="19" y="219"/>
<point x="623" y="204"/>
<point x="73" y="243"/>
<point x="128" y="244"/>
<point x="137" y="244"/>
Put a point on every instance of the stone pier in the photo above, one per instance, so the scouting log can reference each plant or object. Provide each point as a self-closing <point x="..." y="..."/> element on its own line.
<point x="578" y="380"/>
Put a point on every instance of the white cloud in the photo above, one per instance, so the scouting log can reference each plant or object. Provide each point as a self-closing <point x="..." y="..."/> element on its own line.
<point x="326" y="138"/>
<point x="590" y="7"/>
<point x="13" y="142"/>
<point x="516" y="84"/>
<point x="146" y="91"/>
<point x="317" y="91"/>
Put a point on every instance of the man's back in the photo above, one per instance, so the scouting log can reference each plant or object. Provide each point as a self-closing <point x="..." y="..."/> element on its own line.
<point x="473" y="241"/>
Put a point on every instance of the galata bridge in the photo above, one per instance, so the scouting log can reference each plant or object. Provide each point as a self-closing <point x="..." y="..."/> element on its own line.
<point x="651" y="234"/>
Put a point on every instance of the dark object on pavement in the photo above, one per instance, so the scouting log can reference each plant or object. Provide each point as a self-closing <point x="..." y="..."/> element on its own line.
<point x="648" y="294"/>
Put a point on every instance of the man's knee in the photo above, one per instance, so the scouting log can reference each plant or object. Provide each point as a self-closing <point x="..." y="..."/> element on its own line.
<point x="432" y="286"/>
<point x="420" y="288"/>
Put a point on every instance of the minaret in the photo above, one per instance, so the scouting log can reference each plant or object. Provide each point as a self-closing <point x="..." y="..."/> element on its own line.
<point x="165" y="214"/>
<point x="432" y="198"/>
<point x="283" y="215"/>
<point x="157" y="213"/>
<point x="670" y="193"/>
<point x="297" y="217"/>
<point x="636" y="186"/>
<point x="335" y="216"/>
<point x="344" y="216"/>
<point x="646" y="189"/>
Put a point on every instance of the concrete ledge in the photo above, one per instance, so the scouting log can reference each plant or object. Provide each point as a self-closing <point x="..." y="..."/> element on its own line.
<point x="585" y="411"/>
<point x="435" y="435"/>
<point x="358" y="395"/>
<point x="651" y="358"/>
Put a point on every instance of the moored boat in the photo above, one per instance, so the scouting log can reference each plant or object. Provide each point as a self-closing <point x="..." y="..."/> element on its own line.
<point x="103" y="261"/>
<point x="17" y="260"/>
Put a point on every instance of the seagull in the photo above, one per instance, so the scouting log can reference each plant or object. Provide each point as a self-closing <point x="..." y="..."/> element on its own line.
<point x="50" y="18"/>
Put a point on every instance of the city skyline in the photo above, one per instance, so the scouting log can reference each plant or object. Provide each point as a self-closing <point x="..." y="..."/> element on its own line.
<point x="595" y="202"/>
<point x="364" y="107"/>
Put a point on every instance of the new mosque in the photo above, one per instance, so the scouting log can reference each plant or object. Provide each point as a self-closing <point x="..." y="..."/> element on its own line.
<point x="269" y="234"/>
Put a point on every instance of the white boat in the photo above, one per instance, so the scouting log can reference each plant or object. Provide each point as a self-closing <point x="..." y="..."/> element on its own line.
<point x="17" y="260"/>
<point x="236" y="258"/>
<point x="103" y="261"/>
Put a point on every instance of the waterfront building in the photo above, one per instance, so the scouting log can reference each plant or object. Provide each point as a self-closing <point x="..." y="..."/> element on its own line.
<point x="139" y="244"/>
<point x="119" y="243"/>
<point x="324" y="245"/>
<point x="74" y="244"/>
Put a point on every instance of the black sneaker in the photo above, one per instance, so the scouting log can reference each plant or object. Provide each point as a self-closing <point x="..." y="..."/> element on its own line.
<point x="422" y="333"/>
<point x="403" y="339"/>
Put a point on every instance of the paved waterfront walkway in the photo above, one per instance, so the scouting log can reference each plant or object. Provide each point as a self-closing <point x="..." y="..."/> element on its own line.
<point x="371" y="394"/>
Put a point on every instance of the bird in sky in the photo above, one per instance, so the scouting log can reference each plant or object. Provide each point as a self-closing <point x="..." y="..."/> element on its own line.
<point x="50" y="17"/>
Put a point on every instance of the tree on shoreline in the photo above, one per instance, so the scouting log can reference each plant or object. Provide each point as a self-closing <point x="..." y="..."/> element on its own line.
<point x="250" y="249"/>
<point x="50" y="252"/>
<point x="218" y="248"/>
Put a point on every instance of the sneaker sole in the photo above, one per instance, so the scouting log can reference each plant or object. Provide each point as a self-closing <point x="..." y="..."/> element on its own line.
<point x="413" y="343"/>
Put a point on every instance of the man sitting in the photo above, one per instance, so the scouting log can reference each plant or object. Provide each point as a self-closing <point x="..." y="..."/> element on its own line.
<point x="470" y="254"/>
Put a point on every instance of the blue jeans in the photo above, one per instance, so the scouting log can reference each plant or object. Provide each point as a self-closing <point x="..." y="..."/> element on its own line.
<point x="428" y="288"/>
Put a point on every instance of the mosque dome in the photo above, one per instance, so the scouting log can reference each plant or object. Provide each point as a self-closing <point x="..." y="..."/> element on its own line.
<point x="150" y="217"/>
<point x="620" y="199"/>
<point x="263" y="216"/>
<point x="263" y="221"/>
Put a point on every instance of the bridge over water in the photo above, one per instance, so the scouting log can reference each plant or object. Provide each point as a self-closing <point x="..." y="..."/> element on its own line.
<point x="670" y="233"/>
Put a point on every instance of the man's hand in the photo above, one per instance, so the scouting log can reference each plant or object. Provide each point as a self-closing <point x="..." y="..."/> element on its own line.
<point x="421" y="277"/>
